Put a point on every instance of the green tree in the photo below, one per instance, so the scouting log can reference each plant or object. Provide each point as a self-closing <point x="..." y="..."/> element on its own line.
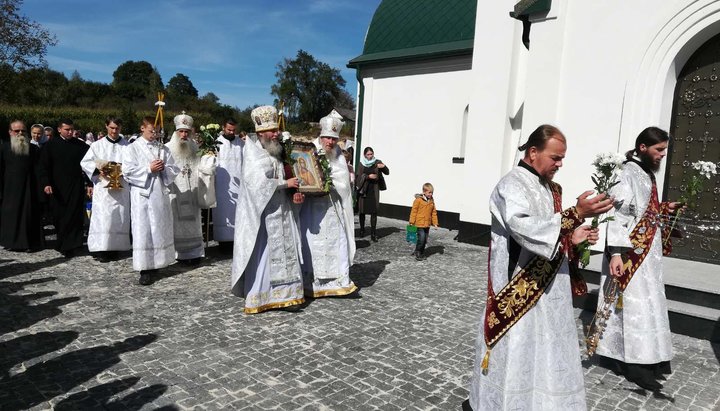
<point x="310" y="88"/>
<point x="136" y="80"/>
<point x="23" y="42"/>
<point x="181" y="86"/>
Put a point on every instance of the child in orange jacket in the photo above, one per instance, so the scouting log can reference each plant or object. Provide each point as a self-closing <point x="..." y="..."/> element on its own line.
<point x="423" y="215"/>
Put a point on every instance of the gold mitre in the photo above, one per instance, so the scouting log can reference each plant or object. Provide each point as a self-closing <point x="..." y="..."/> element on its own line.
<point x="183" y="122"/>
<point x="265" y="118"/>
<point x="331" y="125"/>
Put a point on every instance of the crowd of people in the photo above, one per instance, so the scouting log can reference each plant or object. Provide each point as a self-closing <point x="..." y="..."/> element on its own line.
<point x="147" y="197"/>
<point x="287" y="245"/>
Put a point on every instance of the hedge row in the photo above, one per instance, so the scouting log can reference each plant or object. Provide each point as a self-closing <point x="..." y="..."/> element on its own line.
<point x="88" y="119"/>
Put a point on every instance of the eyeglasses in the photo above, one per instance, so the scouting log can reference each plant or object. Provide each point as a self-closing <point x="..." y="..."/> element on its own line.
<point x="20" y="131"/>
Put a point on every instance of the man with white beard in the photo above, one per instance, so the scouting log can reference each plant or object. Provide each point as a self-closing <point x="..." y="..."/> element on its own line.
<point x="19" y="190"/>
<point x="186" y="191"/>
<point x="266" y="255"/>
<point x="110" y="219"/>
<point x="150" y="168"/>
<point x="327" y="223"/>
<point x="227" y="184"/>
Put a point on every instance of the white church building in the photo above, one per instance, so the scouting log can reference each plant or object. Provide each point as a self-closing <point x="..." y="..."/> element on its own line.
<point x="447" y="91"/>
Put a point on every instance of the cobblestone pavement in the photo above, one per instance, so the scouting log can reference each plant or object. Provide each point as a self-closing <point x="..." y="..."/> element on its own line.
<point x="78" y="334"/>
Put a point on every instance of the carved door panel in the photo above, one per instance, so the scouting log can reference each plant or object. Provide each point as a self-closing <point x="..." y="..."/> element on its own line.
<point x="696" y="136"/>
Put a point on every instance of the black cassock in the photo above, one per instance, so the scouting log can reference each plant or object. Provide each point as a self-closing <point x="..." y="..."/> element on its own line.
<point x="19" y="199"/>
<point x="60" y="169"/>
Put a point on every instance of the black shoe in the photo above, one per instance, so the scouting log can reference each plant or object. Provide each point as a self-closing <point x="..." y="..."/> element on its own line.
<point x="414" y="254"/>
<point x="420" y="257"/>
<point x="68" y="253"/>
<point x="191" y="262"/>
<point x="661" y="369"/>
<point x="374" y="238"/>
<point x="145" y="278"/>
<point x="362" y="232"/>
<point x="226" y="247"/>
<point x="293" y="308"/>
<point x="643" y="376"/>
<point x="102" y="256"/>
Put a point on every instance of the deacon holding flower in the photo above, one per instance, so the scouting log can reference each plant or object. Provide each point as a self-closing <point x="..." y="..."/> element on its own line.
<point x="528" y="323"/>
<point x="636" y="339"/>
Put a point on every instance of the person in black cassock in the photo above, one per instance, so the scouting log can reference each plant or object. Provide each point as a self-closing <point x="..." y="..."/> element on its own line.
<point x="19" y="191"/>
<point x="66" y="186"/>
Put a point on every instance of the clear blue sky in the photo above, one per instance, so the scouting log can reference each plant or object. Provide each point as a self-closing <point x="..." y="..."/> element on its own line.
<point x="227" y="47"/>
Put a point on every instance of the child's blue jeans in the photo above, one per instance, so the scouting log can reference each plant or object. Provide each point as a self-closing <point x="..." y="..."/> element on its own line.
<point x="422" y="236"/>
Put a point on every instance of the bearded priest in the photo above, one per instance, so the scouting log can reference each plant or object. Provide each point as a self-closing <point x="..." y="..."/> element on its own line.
<point x="327" y="224"/>
<point x="266" y="253"/>
<point x="187" y="192"/>
<point x="19" y="191"/>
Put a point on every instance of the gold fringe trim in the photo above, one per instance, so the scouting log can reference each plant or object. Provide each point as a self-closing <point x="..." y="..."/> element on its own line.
<point x="274" y="306"/>
<point x="332" y="293"/>
<point x="485" y="362"/>
<point x="619" y="303"/>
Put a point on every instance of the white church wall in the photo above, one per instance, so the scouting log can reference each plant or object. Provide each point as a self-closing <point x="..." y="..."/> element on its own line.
<point x="495" y="100"/>
<point x="600" y="71"/>
<point x="413" y="119"/>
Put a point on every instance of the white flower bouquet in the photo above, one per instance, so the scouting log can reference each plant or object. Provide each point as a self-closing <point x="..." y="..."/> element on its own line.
<point x="605" y="177"/>
<point x="208" y="143"/>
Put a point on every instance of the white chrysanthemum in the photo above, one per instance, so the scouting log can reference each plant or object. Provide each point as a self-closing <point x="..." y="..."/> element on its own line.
<point x="609" y="159"/>
<point x="706" y="169"/>
<point x="202" y="128"/>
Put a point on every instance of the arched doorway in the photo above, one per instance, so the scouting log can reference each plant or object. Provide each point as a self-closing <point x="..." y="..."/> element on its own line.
<point x="696" y="130"/>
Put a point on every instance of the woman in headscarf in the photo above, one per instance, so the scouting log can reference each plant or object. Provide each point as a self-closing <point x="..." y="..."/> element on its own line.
<point x="369" y="182"/>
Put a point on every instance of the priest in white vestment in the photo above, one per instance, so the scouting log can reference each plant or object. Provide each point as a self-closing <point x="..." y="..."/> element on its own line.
<point x="150" y="169"/>
<point x="188" y="192"/>
<point x="637" y="335"/>
<point x="266" y="253"/>
<point x="327" y="224"/>
<point x="536" y="364"/>
<point x="110" y="218"/>
<point x="227" y="184"/>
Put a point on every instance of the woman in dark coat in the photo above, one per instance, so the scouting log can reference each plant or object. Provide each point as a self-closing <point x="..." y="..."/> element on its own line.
<point x="369" y="181"/>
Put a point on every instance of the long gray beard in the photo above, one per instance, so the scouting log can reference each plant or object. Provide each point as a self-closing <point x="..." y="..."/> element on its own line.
<point x="182" y="150"/>
<point x="20" y="146"/>
<point x="273" y="147"/>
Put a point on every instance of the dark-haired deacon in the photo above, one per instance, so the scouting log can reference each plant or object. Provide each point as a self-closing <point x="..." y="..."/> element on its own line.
<point x="637" y="335"/>
<point x="19" y="191"/>
<point x="110" y="218"/>
<point x="66" y="186"/>
<point x="528" y="322"/>
<point x="227" y="184"/>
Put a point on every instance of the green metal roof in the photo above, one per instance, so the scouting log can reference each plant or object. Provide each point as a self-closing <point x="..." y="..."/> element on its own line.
<point x="417" y="29"/>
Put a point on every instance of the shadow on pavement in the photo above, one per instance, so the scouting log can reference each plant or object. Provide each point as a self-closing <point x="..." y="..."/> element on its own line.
<point x="17" y="313"/>
<point x="362" y="244"/>
<point x="57" y="376"/>
<point x="436" y="249"/>
<point x="21" y="349"/>
<point x="12" y="270"/>
<point x="383" y="232"/>
<point x="99" y="397"/>
<point x="365" y="274"/>
<point x="175" y="269"/>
